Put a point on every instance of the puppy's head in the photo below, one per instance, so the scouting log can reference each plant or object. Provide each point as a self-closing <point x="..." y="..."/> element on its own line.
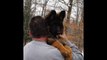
<point x="54" y="22"/>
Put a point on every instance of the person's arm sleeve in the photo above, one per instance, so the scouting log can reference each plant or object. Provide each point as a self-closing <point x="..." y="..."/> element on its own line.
<point x="76" y="54"/>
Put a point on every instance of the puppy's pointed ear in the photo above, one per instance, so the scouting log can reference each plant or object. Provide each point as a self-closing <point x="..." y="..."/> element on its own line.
<point x="51" y="15"/>
<point x="53" y="12"/>
<point x="62" y="15"/>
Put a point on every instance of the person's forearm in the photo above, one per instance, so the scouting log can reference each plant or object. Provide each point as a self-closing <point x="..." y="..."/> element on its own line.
<point x="69" y="43"/>
<point x="77" y="55"/>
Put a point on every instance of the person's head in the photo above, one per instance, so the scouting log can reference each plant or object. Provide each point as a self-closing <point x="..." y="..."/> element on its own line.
<point x="38" y="27"/>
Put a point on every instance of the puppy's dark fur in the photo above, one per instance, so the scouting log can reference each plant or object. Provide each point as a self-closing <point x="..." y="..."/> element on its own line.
<point x="54" y="22"/>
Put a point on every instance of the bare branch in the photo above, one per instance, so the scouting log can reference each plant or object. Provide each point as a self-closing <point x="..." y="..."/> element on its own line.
<point x="63" y="2"/>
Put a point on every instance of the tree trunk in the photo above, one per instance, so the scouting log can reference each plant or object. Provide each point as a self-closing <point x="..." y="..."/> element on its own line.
<point x="69" y="10"/>
<point x="77" y="17"/>
<point x="66" y="27"/>
<point x="27" y="17"/>
<point x="44" y="8"/>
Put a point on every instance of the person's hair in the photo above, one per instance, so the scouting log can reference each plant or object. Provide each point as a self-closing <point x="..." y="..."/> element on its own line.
<point x="38" y="27"/>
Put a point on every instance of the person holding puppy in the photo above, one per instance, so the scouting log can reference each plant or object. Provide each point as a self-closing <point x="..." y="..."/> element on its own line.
<point x="38" y="49"/>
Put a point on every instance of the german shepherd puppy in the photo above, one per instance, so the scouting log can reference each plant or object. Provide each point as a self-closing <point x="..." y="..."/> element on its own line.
<point x="54" y="23"/>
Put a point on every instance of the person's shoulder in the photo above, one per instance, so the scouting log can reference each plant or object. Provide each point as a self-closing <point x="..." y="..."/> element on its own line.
<point x="52" y="49"/>
<point x="55" y="53"/>
<point x="28" y="45"/>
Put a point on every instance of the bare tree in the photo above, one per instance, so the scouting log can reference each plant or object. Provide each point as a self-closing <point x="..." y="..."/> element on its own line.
<point x="33" y="9"/>
<point x="69" y="9"/>
<point x="27" y="17"/>
<point x="44" y="8"/>
<point x="77" y="17"/>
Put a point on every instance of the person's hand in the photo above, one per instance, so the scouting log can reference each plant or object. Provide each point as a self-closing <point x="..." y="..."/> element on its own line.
<point x="64" y="36"/>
